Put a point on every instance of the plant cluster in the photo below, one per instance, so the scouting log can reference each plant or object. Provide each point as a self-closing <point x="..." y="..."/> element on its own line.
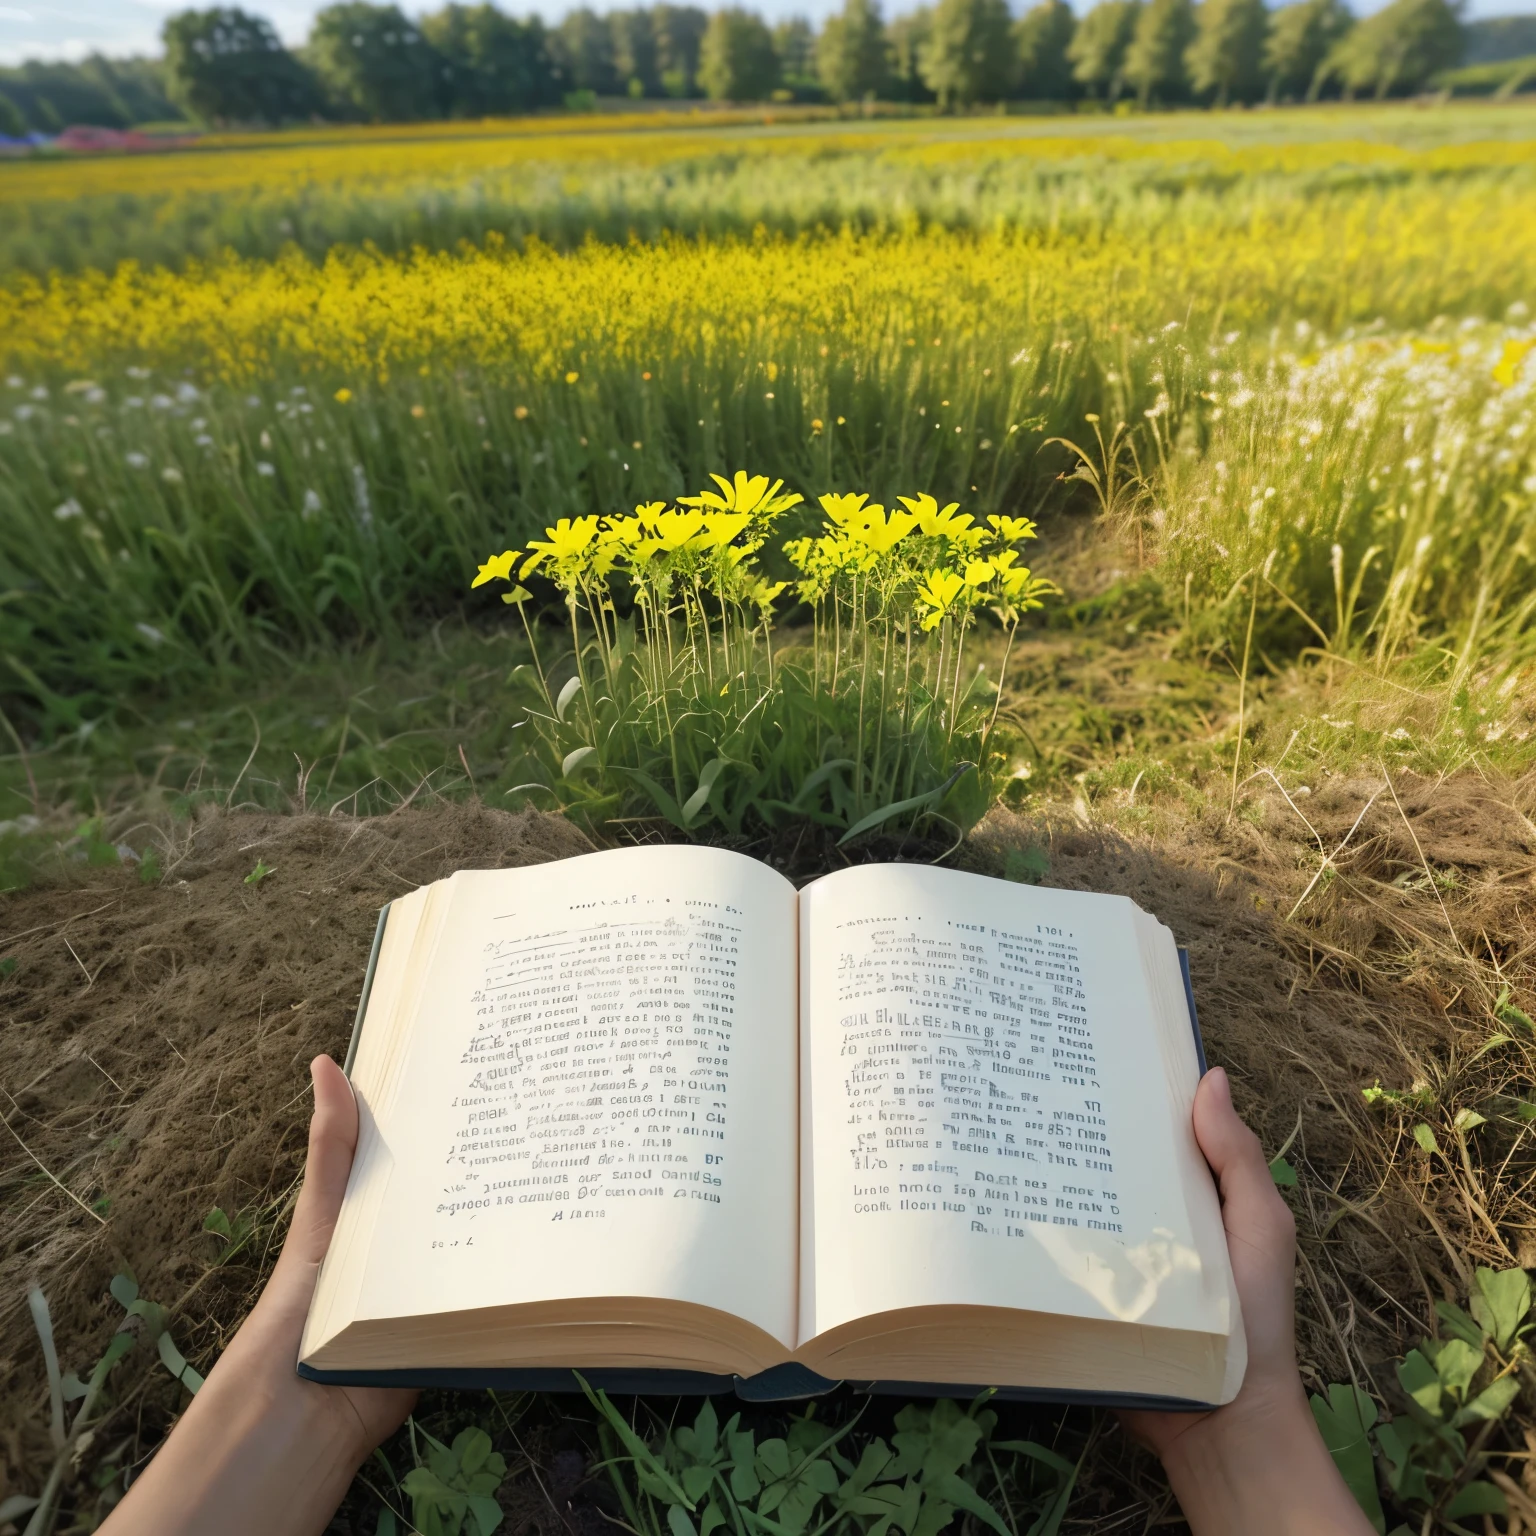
<point x="942" y="1465"/>
<point x="684" y="703"/>
<point x="1433" y="1455"/>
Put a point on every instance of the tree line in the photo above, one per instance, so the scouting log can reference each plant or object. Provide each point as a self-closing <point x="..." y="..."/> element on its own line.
<point x="371" y="62"/>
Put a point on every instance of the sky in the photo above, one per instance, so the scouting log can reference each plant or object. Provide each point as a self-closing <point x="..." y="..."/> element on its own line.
<point x="74" y="28"/>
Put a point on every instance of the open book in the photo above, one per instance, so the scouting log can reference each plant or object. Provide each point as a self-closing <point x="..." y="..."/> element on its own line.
<point x="655" y="1116"/>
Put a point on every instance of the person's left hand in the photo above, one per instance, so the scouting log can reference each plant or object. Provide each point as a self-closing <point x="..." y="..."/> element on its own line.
<point x="260" y="1449"/>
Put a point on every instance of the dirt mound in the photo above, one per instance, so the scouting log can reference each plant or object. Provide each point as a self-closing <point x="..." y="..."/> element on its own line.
<point x="156" y="1038"/>
<point x="154" y="1065"/>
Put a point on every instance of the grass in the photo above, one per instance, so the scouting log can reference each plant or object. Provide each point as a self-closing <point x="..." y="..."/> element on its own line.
<point x="1264" y="381"/>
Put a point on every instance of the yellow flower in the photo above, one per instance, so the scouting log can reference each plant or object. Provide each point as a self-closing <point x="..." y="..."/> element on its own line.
<point x="343" y="395"/>
<point x="562" y="543"/>
<point x="418" y="411"/>
<point x="816" y="424"/>
<point x="745" y="493"/>
<point x="497" y="568"/>
<point x="1012" y="529"/>
<point x="763" y="593"/>
<point x="937" y="594"/>
<point x="843" y="507"/>
<point x="1508" y="365"/>
<point x="572" y="376"/>
<point x="721" y="527"/>
<point x="521" y="412"/>
<point x="674" y="529"/>
<point x="934" y="521"/>
<point x="979" y="572"/>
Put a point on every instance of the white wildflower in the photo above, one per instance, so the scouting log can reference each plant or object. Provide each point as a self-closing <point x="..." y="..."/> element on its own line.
<point x="264" y="468"/>
<point x="68" y="509"/>
<point x="136" y="460"/>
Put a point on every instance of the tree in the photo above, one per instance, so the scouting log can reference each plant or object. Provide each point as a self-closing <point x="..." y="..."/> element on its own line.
<point x="736" y="58"/>
<point x="583" y="45"/>
<point x="635" y="52"/>
<point x="374" y="62"/>
<point x="679" y="33"/>
<point x="851" y="56"/>
<point x="225" y="65"/>
<point x="1227" y="56"/>
<point x="967" y="57"/>
<point x="1041" y="39"/>
<point x="12" y="124"/>
<point x="1099" y="46"/>
<point x="1154" y="63"/>
<point x="794" y="45"/>
<point x="491" y="63"/>
<point x="1395" y="51"/>
<point x="905" y="39"/>
<point x="1301" y="38"/>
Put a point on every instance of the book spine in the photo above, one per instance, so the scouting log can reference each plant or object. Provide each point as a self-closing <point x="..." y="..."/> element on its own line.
<point x="362" y="1002"/>
<point x="1194" y="1018"/>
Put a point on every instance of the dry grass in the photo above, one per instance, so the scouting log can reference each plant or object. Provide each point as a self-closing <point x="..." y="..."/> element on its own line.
<point x="156" y="1039"/>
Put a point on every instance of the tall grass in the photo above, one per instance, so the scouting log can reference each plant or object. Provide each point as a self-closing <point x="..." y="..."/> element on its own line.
<point x="203" y="466"/>
<point x="435" y="193"/>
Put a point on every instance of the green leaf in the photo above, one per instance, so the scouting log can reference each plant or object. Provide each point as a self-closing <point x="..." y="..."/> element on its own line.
<point x="1506" y="1013"/>
<point x="124" y="1289"/>
<point x="1491" y="1403"/>
<point x="1425" y="1137"/>
<point x="567" y="693"/>
<point x="472" y="1447"/>
<point x="42" y="1320"/>
<point x="386" y="1524"/>
<point x="1500" y="1301"/>
<point x="696" y="1480"/>
<point x="16" y="1506"/>
<point x="1028" y="866"/>
<point x="577" y="759"/>
<point x="1456" y="1363"/>
<point x="663" y="801"/>
<point x="260" y="873"/>
<point x="485" y="1512"/>
<point x="1281" y="1171"/>
<point x="217" y="1221"/>
<point x="1459" y="1325"/>
<point x="1468" y="1120"/>
<point x="678" y="1522"/>
<point x="960" y="1493"/>
<point x="176" y="1363"/>
<point x="1420" y="1381"/>
<point x="1345" y="1421"/>
<point x="696" y="801"/>
<point x="1476" y="1499"/>
<point x="925" y="802"/>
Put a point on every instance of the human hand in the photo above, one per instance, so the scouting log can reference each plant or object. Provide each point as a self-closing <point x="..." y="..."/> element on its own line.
<point x="260" y="1449"/>
<point x="1257" y="1464"/>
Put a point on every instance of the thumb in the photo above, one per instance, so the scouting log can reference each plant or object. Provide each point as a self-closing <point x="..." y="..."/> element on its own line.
<point x="332" y="1141"/>
<point x="1233" y="1151"/>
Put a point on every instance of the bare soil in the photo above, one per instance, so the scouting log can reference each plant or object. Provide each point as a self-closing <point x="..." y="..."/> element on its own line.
<point x="154" y="1040"/>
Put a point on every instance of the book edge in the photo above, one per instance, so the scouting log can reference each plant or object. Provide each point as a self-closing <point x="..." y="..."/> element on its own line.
<point x="772" y="1385"/>
<point x="367" y="992"/>
<point x="1194" y="1017"/>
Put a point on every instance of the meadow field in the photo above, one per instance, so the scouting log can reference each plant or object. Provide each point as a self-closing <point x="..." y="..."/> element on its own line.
<point x="1156" y="489"/>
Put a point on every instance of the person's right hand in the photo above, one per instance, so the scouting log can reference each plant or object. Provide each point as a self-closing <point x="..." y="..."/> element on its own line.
<point x="1256" y="1465"/>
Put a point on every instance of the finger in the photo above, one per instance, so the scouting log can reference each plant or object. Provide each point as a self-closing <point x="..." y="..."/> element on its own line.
<point x="1234" y="1153"/>
<point x="332" y="1141"/>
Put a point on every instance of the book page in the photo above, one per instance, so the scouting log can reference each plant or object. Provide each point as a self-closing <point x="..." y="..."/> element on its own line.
<point x="599" y="1093"/>
<point x="986" y="1113"/>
